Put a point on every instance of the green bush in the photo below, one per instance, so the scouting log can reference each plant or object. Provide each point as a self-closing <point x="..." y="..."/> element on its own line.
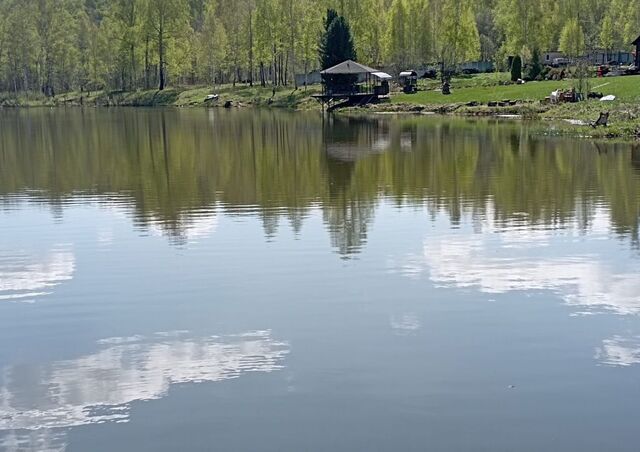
<point x="535" y="68"/>
<point x="516" y="68"/>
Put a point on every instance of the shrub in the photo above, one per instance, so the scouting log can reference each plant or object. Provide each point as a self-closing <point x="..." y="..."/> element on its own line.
<point x="516" y="68"/>
<point x="535" y="68"/>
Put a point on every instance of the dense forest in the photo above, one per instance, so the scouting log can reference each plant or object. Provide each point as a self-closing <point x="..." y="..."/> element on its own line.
<point x="53" y="46"/>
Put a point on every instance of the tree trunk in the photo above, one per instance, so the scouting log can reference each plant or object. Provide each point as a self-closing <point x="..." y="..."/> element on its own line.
<point x="250" y="49"/>
<point x="286" y="71"/>
<point x="161" y="74"/>
<point x="306" y="72"/>
<point x="46" y="87"/>
<point x="293" y="46"/>
<point x="132" y="75"/>
<point x="146" y="63"/>
<point x="274" y="77"/>
<point x="263" y="82"/>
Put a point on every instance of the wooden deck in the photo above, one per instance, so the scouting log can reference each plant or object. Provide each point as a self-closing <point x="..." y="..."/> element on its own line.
<point x="334" y="101"/>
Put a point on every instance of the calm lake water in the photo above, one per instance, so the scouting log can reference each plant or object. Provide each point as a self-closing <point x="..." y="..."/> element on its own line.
<point x="263" y="281"/>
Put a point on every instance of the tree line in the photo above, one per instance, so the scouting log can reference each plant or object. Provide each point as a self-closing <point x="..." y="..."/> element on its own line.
<point x="54" y="46"/>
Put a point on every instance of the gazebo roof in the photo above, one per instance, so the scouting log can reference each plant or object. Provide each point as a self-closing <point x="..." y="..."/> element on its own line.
<point x="349" y="67"/>
<point x="382" y="75"/>
<point x="637" y="41"/>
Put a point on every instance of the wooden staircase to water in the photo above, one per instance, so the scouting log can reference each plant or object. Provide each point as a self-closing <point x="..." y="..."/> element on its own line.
<point x="356" y="100"/>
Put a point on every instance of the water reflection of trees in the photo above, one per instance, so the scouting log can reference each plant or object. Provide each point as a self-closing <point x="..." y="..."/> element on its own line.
<point x="173" y="166"/>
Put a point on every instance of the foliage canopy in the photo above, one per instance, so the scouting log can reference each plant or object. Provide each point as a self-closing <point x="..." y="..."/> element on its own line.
<point x="53" y="46"/>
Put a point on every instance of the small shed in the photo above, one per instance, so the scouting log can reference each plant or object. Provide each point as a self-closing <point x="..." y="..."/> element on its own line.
<point x="311" y="78"/>
<point x="408" y="81"/>
<point x="636" y="43"/>
<point x="603" y="57"/>
<point x="381" y="83"/>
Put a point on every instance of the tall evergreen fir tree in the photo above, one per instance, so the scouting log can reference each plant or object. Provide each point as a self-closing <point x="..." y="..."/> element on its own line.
<point x="337" y="42"/>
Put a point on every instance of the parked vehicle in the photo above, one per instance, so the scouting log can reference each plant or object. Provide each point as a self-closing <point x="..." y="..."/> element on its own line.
<point x="559" y="62"/>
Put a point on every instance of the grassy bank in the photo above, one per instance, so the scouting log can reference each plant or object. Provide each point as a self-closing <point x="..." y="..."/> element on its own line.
<point x="492" y="87"/>
<point x="565" y="118"/>
<point x="239" y="96"/>
<point x="470" y="96"/>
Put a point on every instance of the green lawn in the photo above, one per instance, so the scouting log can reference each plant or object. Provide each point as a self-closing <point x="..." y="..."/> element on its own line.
<point x="254" y="95"/>
<point x="626" y="88"/>
<point x="180" y="96"/>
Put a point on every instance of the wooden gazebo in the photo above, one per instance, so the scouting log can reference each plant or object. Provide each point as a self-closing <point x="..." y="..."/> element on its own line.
<point x="354" y="83"/>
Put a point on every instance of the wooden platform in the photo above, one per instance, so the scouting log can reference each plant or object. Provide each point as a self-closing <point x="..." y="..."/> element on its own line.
<point x="334" y="101"/>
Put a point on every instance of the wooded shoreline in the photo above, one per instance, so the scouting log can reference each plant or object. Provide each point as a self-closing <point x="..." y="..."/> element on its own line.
<point x="58" y="46"/>
<point x="565" y="119"/>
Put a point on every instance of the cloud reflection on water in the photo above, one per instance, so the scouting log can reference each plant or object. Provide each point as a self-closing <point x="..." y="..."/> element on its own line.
<point x="525" y="258"/>
<point x="23" y="278"/>
<point x="521" y="259"/>
<point x="584" y="281"/>
<point x="43" y="440"/>
<point x="619" y="351"/>
<point x="191" y="228"/>
<point x="100" y="387"/>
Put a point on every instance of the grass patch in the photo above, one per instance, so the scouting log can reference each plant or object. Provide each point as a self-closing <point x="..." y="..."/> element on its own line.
<point x="28" y="99"/>
<point x="281" y="97"/>
<point x="480" y="89"/>
<point x="533" y="91"/>
<point x="240" y="95"/>
<point x="469" y="81"/>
